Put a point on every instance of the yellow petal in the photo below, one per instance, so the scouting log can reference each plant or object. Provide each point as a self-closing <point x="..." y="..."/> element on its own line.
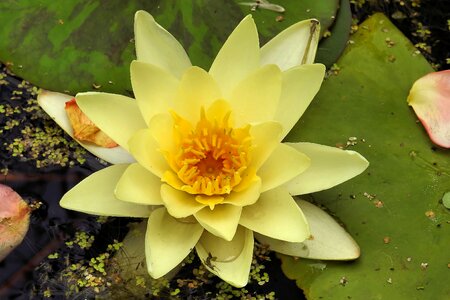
<point x="145" y="150"/>
<point x="95" y="195"/>
<point x="154" y="89"/>
<point x="329" y="167"/>
<point x="116" y="115"/>
<point x="168" y="241"/>
<point x="156" y="46"/>
<point x="293" y="46"/>
<point x="299" y="87"/>
<point x="179" y="204"/>
<point x="197" y="89"/>
<point x="248" y="178"/>
<point x="276" y="215"/>
<point x="266" y="137"/>
<point x="328" y="239"/>
<point x="282" y="165"/>
<point x="238" y="57"/>
<point x="222" y="221"/>
<point x="219" y="110"/>
<point x="138" y="185"/>
<point x="230" y="260"/>
<point x="53" y="104"/>
<point x="255" y="98"/>
<point x="161" y="127"/>
<point x="172" y="179"/>
<point x="247" y="196"/>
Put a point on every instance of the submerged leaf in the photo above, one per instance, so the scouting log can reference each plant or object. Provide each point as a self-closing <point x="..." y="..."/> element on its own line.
<point x="363" y="109"/>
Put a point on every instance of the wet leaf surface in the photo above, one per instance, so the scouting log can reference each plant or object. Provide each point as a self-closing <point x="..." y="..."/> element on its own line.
<point x="394" y="209"/>
<point x="88" y="45"/>
<point x="331" y="47"/>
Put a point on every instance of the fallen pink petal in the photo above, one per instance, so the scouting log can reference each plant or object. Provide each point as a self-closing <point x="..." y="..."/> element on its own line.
<point x="430" y="99"/>
<point x="14" y="220"/>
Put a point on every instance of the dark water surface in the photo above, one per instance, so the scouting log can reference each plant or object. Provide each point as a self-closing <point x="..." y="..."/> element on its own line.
<point x="48" y="225"/>
<point x="51" y="225"/>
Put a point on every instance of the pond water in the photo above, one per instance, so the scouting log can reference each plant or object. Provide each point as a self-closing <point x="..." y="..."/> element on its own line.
<point x="28" y="272"/>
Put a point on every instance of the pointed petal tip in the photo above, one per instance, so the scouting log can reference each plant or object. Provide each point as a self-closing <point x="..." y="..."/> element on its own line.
<point x="364" y="162"/>
<point x="168" y="241"/>
<point x="294" y="46"/>
<point x="330" y="166"/>
<point x="213" y="253"/>
<point x="328" y="240"/>
<point x="141" y="15"/>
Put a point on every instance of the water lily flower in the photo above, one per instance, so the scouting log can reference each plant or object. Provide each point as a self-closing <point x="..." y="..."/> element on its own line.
<point x="14" y="220"/>
<point x="430" y="99"/>
<point x="204" y="159"/>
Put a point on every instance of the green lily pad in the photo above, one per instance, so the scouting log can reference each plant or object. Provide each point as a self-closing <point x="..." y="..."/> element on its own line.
<point x="72" y="46"/>
<point x="394" y="210"/>
<point x="331" y="47"/>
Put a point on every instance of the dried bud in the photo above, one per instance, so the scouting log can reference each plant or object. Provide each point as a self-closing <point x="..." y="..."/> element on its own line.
<point x="14" y="220"/>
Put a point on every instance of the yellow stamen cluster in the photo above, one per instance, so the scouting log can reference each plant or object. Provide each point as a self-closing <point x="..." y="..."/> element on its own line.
<point x="212" y="156"/>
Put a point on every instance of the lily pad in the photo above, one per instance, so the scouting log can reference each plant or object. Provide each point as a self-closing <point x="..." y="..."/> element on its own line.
<point x="72" y="46"/>
<point x="331" y="47"/>
<point x="394" y="210"/>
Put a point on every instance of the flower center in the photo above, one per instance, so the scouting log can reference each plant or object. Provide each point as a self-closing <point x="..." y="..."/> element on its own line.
<point x="212" y="156"/>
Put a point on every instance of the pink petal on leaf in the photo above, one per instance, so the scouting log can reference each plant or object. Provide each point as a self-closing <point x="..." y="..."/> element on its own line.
<point x="14" y="220"/>
<point x="430" y="99"/>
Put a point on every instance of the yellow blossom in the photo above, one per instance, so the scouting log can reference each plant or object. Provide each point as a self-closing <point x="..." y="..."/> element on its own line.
<point x="202" y="156"/>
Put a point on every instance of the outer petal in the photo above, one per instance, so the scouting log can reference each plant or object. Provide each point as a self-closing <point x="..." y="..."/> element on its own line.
<point x="53" y="103"/>
<point x="154" y="89"/>
<point x="146" y="151"/>
<point x="197" y="89"/>
<point x="276" y="215"/>
<point x="300" y="85"/>
<point x="139" y="186"/>
<point x="255" y="98"/>
<point x="282" y="165"/>
<point x="95" y="195"/>
<point x="222" y="221"/>
<point x="179" y="204"/>
<point x="328" y="239"/>
<point x="293" y="46"/>
<point x="230" y="260"/>
<point x="242" y="49"/>
<point x="168" y="241"/>
<point x="156" y="46"/>
<point x="329" y="167"/>
<point x="246" y="197"/>
<point x="118" y="116"/>
<point x="430" y="99"/>
<point x="266" y="137"/>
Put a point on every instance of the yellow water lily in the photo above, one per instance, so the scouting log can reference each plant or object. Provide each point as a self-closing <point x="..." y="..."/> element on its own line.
<point x="201" y="154"/>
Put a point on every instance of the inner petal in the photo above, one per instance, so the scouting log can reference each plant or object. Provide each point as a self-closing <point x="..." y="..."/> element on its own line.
<point x="210" y="157"/>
